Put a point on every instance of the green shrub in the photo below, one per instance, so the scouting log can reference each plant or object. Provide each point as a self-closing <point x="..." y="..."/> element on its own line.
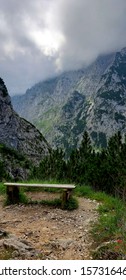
<point x="22" y="197"/>
<point x="71" y="204"/>
<point x="2" y="188"/>
<point x="83" y="191"/>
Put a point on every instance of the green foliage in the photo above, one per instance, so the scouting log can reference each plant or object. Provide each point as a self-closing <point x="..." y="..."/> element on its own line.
<point x="71" y="204"/>
<point x="52" y="166"/>
<point x="11" y="162"/>
<point x="104" y="170"/>
<point x="5" y="150"/>
<point x="78" y="165"/>
<point x="85" y="191"/>
<point x="22" y="197"/>
<point x="2" y="171"/>
<point x="2" y="188"/>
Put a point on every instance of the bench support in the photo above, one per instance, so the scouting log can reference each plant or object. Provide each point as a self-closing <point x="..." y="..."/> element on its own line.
<point x="13" y="194"/>
<point x="65" y="197"/>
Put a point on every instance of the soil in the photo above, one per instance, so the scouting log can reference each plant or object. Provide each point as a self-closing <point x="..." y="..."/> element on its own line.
<point x="54" y="233"/>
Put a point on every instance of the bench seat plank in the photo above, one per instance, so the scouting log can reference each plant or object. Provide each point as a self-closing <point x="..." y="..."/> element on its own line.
<point x="61" y="186"/>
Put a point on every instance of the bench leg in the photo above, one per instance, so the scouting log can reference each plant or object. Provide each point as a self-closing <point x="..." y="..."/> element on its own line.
<point x="65" y="197"/>
<point x="13" y="194"/>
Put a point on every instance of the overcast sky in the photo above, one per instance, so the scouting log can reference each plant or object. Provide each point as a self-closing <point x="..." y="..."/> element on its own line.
<point x="41" y="38"/>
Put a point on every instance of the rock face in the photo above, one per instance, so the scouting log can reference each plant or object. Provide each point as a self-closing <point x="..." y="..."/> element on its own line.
<point x="17" y="133"/>
<point x="108" y="113"/>
<point x="91" y="99"/>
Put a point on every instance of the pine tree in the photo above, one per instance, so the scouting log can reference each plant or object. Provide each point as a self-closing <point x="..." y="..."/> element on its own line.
<point x="85" y="148"/>
<point x="52" y="166"/>
<point x="72" y="166"/>
<point x="84" y="159"/>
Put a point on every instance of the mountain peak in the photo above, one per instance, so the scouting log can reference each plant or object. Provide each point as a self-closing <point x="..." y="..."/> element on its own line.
<point x="4" y="96"/>
<point x="123" y="51"/>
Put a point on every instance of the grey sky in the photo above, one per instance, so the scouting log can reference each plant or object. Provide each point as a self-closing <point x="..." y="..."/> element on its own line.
<point x="41" y="38"/>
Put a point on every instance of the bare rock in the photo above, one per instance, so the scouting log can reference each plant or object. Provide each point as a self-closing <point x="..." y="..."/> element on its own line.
<point x="20" y="135"/>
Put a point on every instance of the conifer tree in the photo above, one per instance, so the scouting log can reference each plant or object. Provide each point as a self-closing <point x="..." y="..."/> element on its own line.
<point x="52" y="166"/>
<point x="84" y="159"/>
<point x="85" y="147"/>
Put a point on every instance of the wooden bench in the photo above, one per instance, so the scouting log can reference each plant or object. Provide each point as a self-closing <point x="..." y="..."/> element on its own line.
<point x="13" y="191"/>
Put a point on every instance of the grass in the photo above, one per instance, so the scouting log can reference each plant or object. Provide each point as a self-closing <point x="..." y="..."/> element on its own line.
<point x="6" y="254"/>
<point x="2" y="188"/>
<point x="109" y="232"/>
<point x="57" y="203"/>
<point x="85" y="191"/>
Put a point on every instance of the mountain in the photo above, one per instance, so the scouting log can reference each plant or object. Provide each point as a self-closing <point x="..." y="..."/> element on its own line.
<point x="42" y="104"/>
<point x="91" y="99"/>
<point x="19" y="134"/>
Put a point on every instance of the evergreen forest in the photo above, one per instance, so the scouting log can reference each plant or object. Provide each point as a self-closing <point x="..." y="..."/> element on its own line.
<point x="103" y="169"/>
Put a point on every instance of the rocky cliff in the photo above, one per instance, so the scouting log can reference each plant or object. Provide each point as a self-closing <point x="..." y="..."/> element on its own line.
<point x="108" y="112"/>
<point x="17" y="133"/>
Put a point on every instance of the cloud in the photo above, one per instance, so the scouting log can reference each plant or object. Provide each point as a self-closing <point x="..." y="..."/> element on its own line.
<point x="90" y="28"/>
<point x="39" y="38"/>
<point x="23" y="59"/>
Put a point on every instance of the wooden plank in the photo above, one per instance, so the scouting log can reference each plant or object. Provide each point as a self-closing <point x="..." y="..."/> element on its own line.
<point x="61" y="186"/>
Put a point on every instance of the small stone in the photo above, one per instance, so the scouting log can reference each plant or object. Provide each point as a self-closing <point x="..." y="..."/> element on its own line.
<point x="47" y="252"/>
<point x="15" y="254"/>
<point x="29" y="233"/>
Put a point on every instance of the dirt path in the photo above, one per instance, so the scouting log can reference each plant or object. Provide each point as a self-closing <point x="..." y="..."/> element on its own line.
<point x="57" y="234"/>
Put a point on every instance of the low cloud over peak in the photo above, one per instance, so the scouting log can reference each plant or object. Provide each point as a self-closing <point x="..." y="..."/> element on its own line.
<point x="40" y="38"/>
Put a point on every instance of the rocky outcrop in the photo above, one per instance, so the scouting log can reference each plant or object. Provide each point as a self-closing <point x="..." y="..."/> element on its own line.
<point x="19" y="134"/>
<point x="15" y="248"/>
